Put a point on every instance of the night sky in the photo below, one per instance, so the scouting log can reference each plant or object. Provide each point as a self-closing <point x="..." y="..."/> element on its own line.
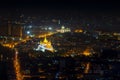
<point x="60" y="8"/>
<point x="38" y="6"/>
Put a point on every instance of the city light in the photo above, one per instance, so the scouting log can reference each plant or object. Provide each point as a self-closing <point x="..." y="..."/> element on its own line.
<point x="28" y="32"/>
<point x="45" y="45"/>
<point x="79" y="30"/>
<point x="30" y="26"/>
<point x="50" y="28"/>
<point x="17" y="67"/>
<point x="87" y="52"/>
<point x="59" y="40"/>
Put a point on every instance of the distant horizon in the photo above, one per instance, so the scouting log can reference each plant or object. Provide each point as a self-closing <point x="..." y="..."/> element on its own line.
<point x="62" y="9"/>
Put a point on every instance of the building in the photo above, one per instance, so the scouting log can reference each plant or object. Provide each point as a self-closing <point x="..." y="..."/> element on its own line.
<point x="16" y="31"/>
<point x="63" y="30"/>
<point x="11" y="30"/>
<point x="5" y="27"/>
<point x="45" y="45"/>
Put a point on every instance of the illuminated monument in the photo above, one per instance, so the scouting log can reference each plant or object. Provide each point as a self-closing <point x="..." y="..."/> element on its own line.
<point x="45" y="45"/>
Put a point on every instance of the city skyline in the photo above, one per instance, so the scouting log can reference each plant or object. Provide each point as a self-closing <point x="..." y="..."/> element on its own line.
<point x="88" y="12"/>
<point x="59" y="40"/>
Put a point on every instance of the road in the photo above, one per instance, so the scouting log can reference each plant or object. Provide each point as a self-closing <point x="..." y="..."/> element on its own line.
<point x="19" y="75"/>
<point x="17" y="67"/>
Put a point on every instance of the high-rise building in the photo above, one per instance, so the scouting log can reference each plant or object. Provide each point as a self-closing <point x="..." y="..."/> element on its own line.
<point x="10" y="30"/>
<point x="16" y="31"/>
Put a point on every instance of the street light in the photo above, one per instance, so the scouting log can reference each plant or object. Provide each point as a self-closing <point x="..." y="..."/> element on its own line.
<point x="28" y="32"/>
<point x="50" y="28"/>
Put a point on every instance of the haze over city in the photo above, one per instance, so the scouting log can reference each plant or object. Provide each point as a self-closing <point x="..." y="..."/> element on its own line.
<point x="59" y="40"/>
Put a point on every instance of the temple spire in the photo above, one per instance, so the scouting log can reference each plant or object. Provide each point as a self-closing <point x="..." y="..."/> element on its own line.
<point x="45" y="40"/>
<point x="45" y="45"/>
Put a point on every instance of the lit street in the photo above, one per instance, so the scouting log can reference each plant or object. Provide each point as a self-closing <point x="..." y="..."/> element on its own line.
<point x="19" y="76"/>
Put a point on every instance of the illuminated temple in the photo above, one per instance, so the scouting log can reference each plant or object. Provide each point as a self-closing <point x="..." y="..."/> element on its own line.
<point x="45" y="45"/>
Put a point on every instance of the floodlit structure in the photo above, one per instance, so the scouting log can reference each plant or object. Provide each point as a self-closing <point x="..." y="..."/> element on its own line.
<point x="45" y="45"/>
<point x="63" y="30"/>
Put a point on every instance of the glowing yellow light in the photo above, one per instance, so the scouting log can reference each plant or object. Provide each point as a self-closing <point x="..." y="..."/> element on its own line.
<point x="45" y="40"/>
<point x="79" y="30"/>
<point x="86" y="52"/>
<point x="17" y="68"/>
